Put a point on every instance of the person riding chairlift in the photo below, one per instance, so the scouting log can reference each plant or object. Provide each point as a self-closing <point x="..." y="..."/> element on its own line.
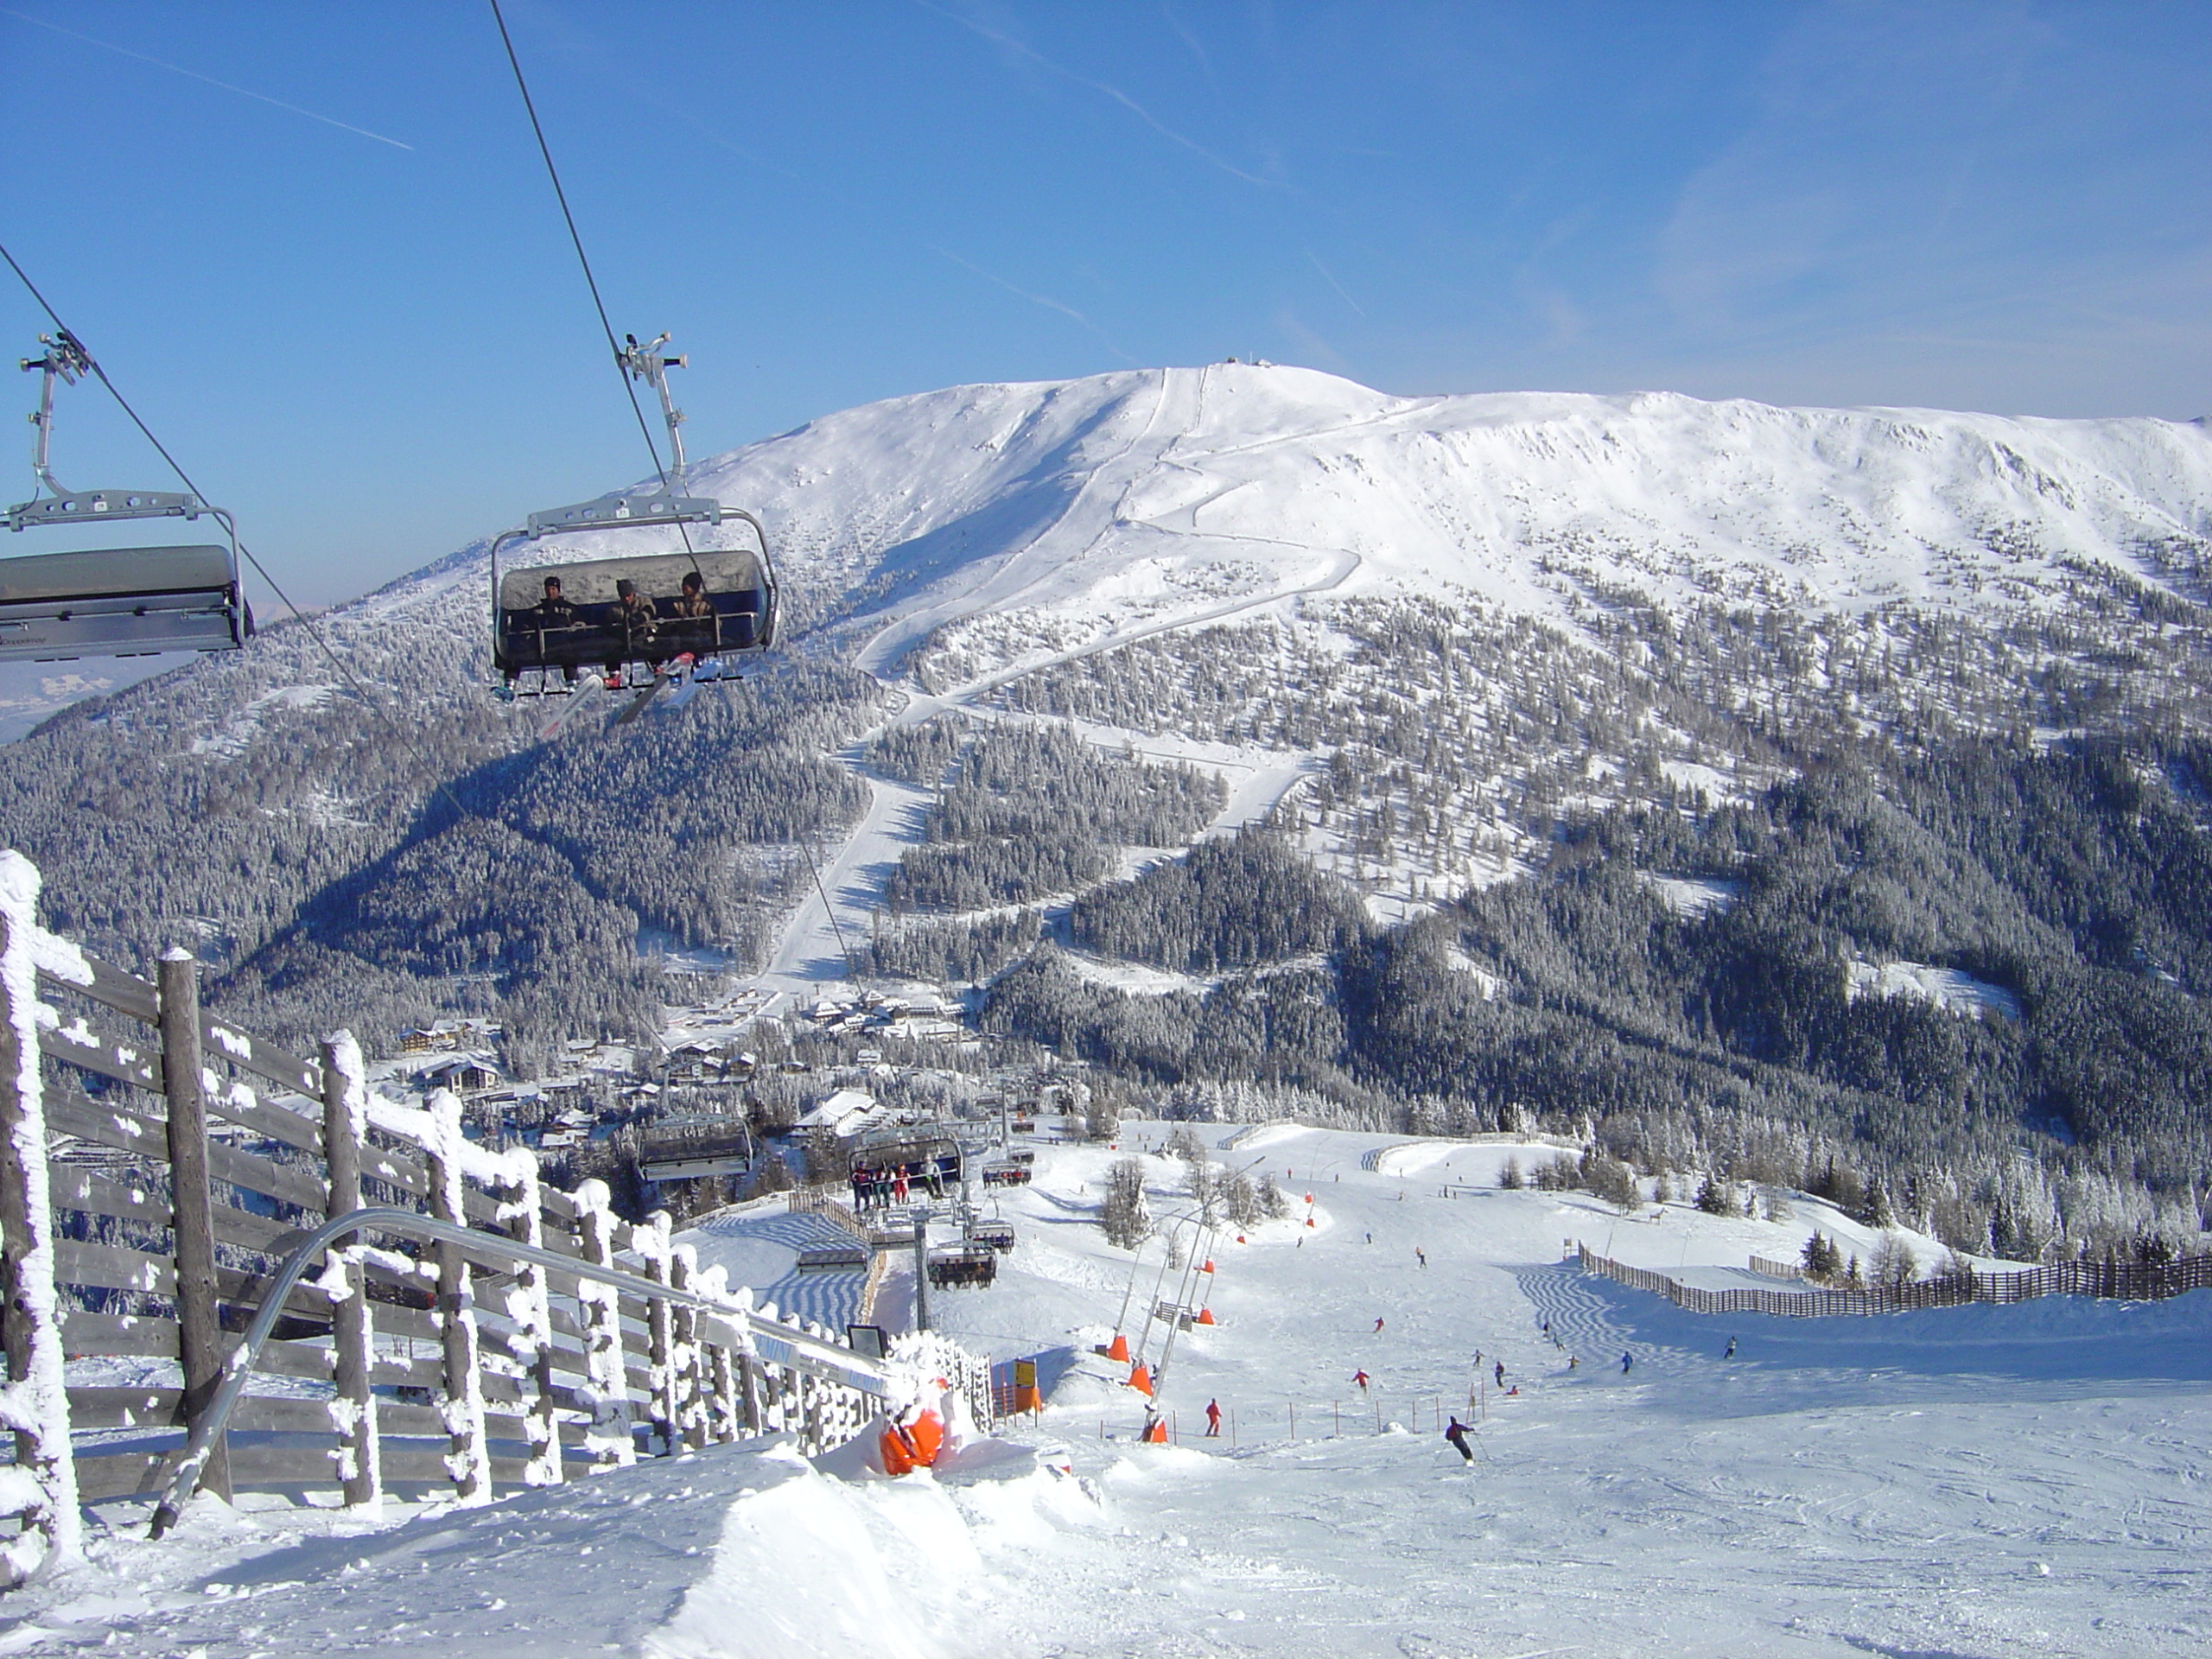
<point x="555" y="615"/>
<point x="634" y="615"/>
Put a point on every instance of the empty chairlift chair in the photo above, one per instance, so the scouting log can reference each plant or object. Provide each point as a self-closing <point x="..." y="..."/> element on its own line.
<point x="112" y="601"/>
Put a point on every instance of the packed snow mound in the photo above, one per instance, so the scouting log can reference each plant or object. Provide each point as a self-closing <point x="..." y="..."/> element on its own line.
<point x="731" y="1551"/>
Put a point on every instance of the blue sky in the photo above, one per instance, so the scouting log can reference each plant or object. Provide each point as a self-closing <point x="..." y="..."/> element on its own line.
<point x="338" y="284"/>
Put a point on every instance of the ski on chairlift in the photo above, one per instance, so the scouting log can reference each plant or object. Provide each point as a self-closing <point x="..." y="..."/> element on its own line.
<point x="111" y="601"/>
<point x="634" y="620"/>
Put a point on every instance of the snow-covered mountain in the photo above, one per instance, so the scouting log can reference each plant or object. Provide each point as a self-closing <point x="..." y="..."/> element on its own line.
<point x="1436" y="626"/>
<point x="1068" y="511"/>
<point x="1180" y="492"/>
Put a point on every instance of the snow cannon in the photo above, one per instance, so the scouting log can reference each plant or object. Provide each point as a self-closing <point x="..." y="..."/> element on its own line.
<point x="1141" y="1380"/>
<point x="1118" y="1350"/>
<point x="1205" y="1316"/>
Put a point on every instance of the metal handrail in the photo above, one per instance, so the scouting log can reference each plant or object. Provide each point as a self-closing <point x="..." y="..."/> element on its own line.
<point x="765" y="1336"/>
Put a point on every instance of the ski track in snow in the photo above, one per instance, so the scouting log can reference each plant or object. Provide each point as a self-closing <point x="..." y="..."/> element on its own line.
<point x="1973" y="1484"/>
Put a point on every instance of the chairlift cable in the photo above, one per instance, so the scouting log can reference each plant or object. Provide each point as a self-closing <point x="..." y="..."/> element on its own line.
<point x="577" y="240"/>
<point x="301" y="617"/>
<point x="147" y="432"/>
<point x="852" y="968"/>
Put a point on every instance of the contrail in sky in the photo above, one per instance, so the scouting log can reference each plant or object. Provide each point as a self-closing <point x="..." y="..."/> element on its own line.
<point x="1106" y="90"/>
<point x="179" y="69"/>
<point x="1049" y="303"/>
<point x="1333" y="282"/>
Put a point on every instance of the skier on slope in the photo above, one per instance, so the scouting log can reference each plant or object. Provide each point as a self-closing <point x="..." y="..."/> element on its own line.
<point x="1500" y="1373"/>
<point x="1420" y="1256"/>
<point x="1378" y="1322"/>
<point x="1458" y="1435"/>
<point x="1627" y="1362"/>
<point x="1213" y="1420"/>
<point x="1360" y="1378"/>
<point x="1730" y="1354"/>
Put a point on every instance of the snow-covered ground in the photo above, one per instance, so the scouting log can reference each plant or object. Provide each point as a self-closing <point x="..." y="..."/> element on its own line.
<point x="1985" y="1481"/>
<point x="1947" y="988"/>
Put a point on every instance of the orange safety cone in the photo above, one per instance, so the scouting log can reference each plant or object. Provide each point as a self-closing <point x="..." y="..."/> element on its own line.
<point x="1209" y="1266"/>
<point x="1240" y="1238"/>
<point x="1141" y="1380"/>
<point x="1309" y="1221"/>
<point x="1205" y="1316"/>
<point x="1118" y="1349"/>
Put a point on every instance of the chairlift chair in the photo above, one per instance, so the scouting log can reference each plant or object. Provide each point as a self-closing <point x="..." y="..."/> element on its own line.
<point x="123" y="602"/>
<point x="953" y="1266"/>
<point x="931" y="1165"/>
<point x="631" y="616"/>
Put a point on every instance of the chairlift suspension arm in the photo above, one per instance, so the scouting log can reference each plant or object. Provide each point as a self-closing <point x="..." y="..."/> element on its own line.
<point x="646" y="363"/>
<point x="64" y="358"/>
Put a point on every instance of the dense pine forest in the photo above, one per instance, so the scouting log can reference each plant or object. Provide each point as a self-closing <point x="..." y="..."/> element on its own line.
<point x="2074" y="882"/>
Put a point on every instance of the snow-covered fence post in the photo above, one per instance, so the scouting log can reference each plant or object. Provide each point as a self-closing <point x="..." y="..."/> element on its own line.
<point x="723" y="1369"/>
<point x="191" y="1205"/>
<point x="689" y="1417"/>
<point x="530" y="1304"/>
<point x="650" y="1241"/>
<point x="467" y="1462"/>
<point x="608" y="1439"/>
<point x="42" y="1486"/>
<point x="748" y="1383"/>
<point x="354" y="1409"/>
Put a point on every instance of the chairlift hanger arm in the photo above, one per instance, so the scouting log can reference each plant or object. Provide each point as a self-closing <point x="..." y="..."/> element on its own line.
<point x="67" y="361"/>
<point x="65" y="358"/>
<point x="646" y="364"/>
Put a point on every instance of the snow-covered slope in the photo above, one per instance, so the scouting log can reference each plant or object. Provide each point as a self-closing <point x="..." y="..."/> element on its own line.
<point x="1987" y="1480"/>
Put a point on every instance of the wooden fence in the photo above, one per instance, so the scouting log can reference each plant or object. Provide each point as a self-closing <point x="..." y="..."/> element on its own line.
<point x="154" y="1170"/>
<point x="2120" y="1281"/>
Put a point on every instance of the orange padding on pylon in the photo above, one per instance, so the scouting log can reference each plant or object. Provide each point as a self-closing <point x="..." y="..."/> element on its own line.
<point x="1205" y="1316"/>
<point x="1118" y="1349"/>
<point x="1157" y="1434"/>
<point x="1209" y="1266"/>
<point x="909" y="1446"/>
<point x="1141" y="1380"/>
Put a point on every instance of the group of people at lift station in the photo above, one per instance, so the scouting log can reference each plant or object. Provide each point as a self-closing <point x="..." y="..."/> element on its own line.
<point x="882" y="1187"/>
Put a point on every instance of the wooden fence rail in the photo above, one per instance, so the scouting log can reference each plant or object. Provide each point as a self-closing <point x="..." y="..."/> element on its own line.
<point x="2119" y="1280"/>
<point x="142" y="1211"/>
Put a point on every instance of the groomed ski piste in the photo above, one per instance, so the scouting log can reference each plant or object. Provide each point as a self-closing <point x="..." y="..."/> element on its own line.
<point x="1970" y="1482"/>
